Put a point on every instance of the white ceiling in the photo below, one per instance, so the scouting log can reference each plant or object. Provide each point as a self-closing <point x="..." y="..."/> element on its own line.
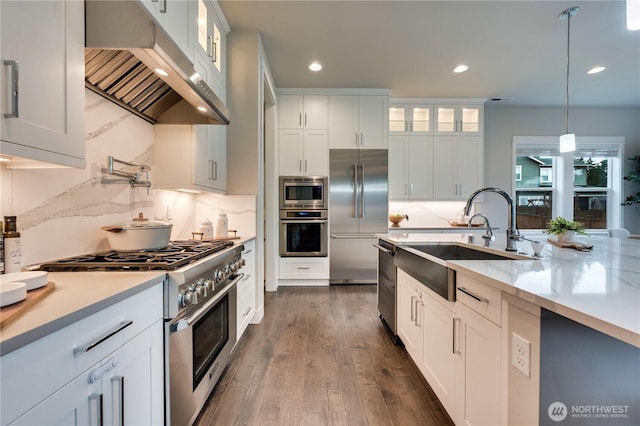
<point x="514" y="49"/>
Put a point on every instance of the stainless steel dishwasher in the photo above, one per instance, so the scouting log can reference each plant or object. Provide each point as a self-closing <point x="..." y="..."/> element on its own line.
<point x="387" y="287"/>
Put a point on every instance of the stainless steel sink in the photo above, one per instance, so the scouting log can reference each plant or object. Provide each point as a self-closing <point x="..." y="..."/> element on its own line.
<point x="456" y="252"/>
<point x="432" y="270"/>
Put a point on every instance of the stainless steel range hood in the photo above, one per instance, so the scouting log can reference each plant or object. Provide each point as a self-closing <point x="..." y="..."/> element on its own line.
<point x="123" y="47"/>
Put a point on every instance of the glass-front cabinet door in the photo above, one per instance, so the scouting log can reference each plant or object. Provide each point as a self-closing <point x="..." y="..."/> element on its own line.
<point x="410" y="119"/>
<point x="458" y="119"/>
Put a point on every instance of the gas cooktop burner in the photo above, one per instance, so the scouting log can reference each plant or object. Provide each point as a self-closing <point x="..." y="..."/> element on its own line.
<point x="175" y="255"/>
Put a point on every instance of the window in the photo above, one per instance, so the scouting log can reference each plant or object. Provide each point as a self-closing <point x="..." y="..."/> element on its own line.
<point x="546" y="176"/>
<point x="585" y="186"/>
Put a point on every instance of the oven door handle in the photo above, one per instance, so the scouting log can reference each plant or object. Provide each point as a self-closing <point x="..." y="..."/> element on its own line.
<point x="303" y="220"/>
<point x="186" y="322"/>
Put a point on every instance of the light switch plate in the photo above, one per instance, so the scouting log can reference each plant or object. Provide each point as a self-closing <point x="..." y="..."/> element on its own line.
<point x="521" y="354"/>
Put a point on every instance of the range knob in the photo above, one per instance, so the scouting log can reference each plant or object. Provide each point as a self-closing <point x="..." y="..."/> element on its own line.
<point x="243" y="261"/>
<point x="186" y="298"/>
<point x="233" y="267"/>
<point x="219" y="276"/>
<point x="210" y="284"/>
<point x="201" y="288"/>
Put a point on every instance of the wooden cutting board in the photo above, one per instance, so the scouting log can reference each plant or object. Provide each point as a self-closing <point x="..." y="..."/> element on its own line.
<point x="9" y="313"/>
<point x="570" y="244"/>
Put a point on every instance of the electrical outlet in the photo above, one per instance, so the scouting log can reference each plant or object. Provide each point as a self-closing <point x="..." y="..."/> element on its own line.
<point x="521" y="354"/>
<point x="169" y="213"/>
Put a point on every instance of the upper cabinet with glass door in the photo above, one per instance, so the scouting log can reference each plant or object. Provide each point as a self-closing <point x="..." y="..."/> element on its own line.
<point x="210" y="43"/>
<point x="408" y="119"/>
<point x="458" y="119"/>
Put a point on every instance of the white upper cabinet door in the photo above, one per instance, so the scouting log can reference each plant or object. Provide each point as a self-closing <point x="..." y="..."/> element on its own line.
<point x="405" y="119"/>
<point x="398" y="170"/>
<point x="343" y="122"/>
<point x="209" y="44"/>
<point x="410" y="167"/>
<point x="176" y="18"/>
<point x="358" y="122"/>
<point x="315" y="112"/>
<point x="290" y="152"/>
<point x="458" y="119"/>
<point x="43" y="81"/>
<point x="457" y="166"/>
<point x="302" y="112"/>
<point x="315" y="153"/>
<point x="373" y="122"/>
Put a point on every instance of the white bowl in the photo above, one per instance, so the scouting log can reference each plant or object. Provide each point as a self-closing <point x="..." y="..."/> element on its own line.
<point x="33" y="279"/>
<point x="12" y="292"/>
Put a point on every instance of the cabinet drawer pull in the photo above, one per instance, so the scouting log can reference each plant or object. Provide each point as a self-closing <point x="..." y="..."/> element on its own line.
<point x="87" y="347"/>
<point x="117" y="396"/>
<point x="474" y="296"/>
<point x="14" y="88"/>
<point x="95" y="409"/>
<point x="163" y="6"/>
<point x="305" y="119"/>
<point x="214" y="52"/>
<point x="413" y="315"/>
<point x="303" y="267"/>
<point x="210" y="46"/>
<point x="247" y="311"/>
<point x="246" y="277"/>
<point x="97" y="374"/>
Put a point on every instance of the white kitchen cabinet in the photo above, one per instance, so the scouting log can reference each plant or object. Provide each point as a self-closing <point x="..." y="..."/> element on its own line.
<point x="410" y="167"/>
<point x="410" y="315"/>
<point x="410" y="119"/>
<point x="42" y="45"/>
<point x="210" y="44"/>
<point x="190" y="157"/>
<point x="358" y="122"/>
<point x="479" y="398"/>
<point x="125" y="388"/>
<point x="457" y="166"/>
<point x="456" y="345"/>
<point x="303" y="152"/>
<point x="247" y="288"/>
<point x="458" y="119"/>
<point x="299" y="111"/>
<point x="48" y="381"/>
<point x="304" y="268"/>
<point x="176" y="19"/>
<point x="442" y="351"/>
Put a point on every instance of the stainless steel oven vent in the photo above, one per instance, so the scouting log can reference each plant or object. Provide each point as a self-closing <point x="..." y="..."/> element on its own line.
<point x="123" y="48"/>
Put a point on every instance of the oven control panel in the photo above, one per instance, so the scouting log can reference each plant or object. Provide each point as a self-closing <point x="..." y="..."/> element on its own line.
<point x="205" y="287"/>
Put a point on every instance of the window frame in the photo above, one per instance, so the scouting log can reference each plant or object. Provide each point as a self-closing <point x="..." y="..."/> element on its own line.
<point x="562" y="185"/>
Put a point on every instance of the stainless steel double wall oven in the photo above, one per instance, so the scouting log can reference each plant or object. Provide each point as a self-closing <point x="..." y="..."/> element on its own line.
<point x="303" y="216"/>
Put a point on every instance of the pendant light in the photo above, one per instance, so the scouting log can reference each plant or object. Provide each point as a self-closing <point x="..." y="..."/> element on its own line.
<point x="568" y="140"/>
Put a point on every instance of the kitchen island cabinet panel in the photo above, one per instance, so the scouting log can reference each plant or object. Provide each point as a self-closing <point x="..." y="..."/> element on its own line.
<point x="43" y="81"/>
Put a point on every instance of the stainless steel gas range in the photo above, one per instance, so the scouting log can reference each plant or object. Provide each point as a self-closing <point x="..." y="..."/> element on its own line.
<point x="199" y="313"/>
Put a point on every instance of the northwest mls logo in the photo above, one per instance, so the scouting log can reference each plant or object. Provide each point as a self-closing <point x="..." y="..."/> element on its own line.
<point x="557" y="411"/>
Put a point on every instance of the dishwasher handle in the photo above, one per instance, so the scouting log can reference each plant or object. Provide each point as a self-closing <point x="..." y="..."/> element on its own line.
<point x="385" y="250"/>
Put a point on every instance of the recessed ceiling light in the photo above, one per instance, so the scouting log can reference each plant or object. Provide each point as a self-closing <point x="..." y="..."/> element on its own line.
<point x="315" y="66"/>
<point x="460" y="68"/>
<point x="596" y="70"/>
<point x="161" y="72"/>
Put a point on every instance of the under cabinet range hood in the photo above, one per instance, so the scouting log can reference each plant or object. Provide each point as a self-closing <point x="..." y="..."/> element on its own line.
<point x="126" y="52"/>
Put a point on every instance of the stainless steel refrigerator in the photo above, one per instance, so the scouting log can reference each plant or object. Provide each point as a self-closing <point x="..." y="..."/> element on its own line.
<point x="358" y="205"/>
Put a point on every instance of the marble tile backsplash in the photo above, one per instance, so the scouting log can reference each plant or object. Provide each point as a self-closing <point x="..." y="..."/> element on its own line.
<point x="60" y="211"/>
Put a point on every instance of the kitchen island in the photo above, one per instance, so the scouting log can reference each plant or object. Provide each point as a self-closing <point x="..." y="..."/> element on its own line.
<point x="561" y="327"/>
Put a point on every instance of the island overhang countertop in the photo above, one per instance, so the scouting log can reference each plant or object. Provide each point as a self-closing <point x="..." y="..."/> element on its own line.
<point x="598" y="288"/>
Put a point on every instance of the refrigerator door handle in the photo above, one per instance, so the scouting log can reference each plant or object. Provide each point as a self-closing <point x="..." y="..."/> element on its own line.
<point x="354" y="203"/>
<point x="362" y="191"/>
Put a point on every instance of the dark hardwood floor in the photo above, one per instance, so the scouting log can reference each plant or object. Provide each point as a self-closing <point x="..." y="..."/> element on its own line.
<point x="321" y="357"/>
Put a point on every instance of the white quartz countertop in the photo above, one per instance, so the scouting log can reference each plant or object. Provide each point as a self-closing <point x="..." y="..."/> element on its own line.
<point x="598" y="288"/>
<point x="76" y="295"/>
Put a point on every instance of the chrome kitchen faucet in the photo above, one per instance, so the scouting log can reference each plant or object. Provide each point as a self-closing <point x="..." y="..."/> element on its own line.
<point x="512" y="233"/>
